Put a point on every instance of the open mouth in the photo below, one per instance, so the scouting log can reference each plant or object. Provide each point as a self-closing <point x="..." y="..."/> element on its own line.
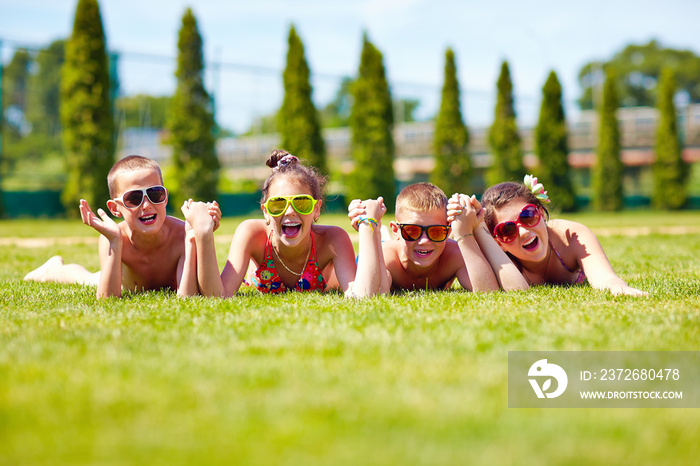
<point x="532" y="244"/>
<point x="422" y="253"/>
<point x="148" y="219"/>
<point x="290" y="230"/>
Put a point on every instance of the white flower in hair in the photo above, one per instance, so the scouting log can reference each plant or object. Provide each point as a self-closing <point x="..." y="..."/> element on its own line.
<point x="537" y="188"/>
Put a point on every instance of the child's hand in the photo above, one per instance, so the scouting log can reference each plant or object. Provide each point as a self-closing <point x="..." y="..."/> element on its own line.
<point x="106" y="226"/>
<point x="215" y="212"/>
<point x="198" y="216"/>
<point x="464" y="213"/>
<point x="624" y="289"/>
<point x="355" y="210"/>
<point x="374" y="208"/>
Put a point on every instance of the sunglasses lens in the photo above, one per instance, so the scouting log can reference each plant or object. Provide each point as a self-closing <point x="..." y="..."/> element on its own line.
<point x="411" y="232"/>
<point x="507" y="231"/>
<point x="156" y="194"/>
<point x="276" y="206"/>
<point x="529" y="216"/>
<point x="303" y="204"/>
<point x="437" y="233"/>
<point x="132" y="199"/>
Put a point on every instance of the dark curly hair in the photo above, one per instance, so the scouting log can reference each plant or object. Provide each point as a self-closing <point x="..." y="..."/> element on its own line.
<point x="501" y="194"/>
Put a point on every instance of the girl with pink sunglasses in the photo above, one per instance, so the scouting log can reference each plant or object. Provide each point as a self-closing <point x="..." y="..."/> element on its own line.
<point x="559" y="252"/>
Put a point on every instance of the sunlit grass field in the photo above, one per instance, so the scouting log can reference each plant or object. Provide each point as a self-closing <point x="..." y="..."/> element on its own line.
<point x="415" y="378"/>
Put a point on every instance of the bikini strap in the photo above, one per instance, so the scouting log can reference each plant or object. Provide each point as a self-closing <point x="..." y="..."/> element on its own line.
<point x="313" y="248"/>
<point x="268" y="247"/>
<point x="560" y="259"/>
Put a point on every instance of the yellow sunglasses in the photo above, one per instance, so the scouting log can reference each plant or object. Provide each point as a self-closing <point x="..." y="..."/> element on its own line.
<point x="302" y="203"/>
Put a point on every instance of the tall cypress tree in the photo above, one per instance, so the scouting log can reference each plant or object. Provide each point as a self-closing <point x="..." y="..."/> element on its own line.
<point x="15" y="81"/>
<point x="298" y="120"/>
<point x="43" y="109"/>
<point x="669" y="169"/>
<point x="195" y="167"/>
<point x="504" y="140"/>
<point x="371" y="122"/>
<point x="86" y="110"/>
<point x="607" y="172"/>
<point x="552" y="147"/>
<point x="452" y="170"/>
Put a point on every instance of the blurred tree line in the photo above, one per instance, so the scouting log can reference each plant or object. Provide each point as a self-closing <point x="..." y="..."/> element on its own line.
<point x="37" y="142"/>
<point x="637" y="72"/>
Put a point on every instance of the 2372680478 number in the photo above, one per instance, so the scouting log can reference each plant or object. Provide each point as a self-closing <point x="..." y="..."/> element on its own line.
<point x="640" y="374"/>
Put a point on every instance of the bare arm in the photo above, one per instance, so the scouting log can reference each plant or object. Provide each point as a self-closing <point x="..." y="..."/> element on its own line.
<point x="187" y="266"/>
<point x="477" y="274"/>
<point x="110" y="250"/>
<point x="244" y="240"/>
<point x="343" y="257"/>
<point x="371" y="271"/>
<point x="594" y="262"/>
<point x="207" y="269"/>
<point x="507" y="273"/>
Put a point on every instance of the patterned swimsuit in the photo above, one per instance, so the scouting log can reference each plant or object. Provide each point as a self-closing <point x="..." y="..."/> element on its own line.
<point x="266" y="279"/>
<point x="581" y="278"/>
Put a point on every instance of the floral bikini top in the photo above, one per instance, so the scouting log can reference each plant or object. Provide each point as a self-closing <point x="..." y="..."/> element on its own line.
<point x="581" y="278"/>
<point x="267" y="280"/>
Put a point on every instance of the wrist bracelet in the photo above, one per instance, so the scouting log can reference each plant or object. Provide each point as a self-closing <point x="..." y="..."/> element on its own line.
<point x="371" y="221"/>
<point x="463" y="236"/>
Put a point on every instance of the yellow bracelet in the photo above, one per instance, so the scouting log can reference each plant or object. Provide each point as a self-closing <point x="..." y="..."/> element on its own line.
<point x="468" y="234"/>
<point x="371" y="221"/>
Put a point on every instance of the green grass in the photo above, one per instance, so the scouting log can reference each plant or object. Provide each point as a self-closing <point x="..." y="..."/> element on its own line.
<point x="416" y="378"/>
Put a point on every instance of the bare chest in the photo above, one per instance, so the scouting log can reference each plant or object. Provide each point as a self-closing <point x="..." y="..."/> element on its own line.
<point x="151" y="271"/>
<point x="403" y="280"/>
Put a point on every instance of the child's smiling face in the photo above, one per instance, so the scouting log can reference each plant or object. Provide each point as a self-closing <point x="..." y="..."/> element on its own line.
<point x="531" y="243"/>
<point x="148" y="217"/>
<point x="423" y="252"/>
<point x="292" y="228"/>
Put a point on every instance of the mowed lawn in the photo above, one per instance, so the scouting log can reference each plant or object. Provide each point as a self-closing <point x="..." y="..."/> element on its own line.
<point x="414" y="378"/>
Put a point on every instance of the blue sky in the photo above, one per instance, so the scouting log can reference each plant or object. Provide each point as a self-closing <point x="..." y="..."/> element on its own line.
<point x="250" y="39"/>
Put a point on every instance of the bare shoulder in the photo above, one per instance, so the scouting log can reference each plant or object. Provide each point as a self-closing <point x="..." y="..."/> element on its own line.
<point x="570" y="232"/>
<point x="174" y="222"/>
<point x="390" y="249"/>
<point x="451" y="259"/>
<point x="175" y="228"/>
<point x="251" y="226"/>
<point x="252" y="234"/>
<point x="329" y="234"/>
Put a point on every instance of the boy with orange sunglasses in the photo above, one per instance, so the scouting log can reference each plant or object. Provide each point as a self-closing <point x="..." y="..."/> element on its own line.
<point x="149" y="250"/>
<point x="419" y="255"/>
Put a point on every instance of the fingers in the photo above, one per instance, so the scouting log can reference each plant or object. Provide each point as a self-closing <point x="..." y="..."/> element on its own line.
<point x="85" y="212"/>
<point x="455" y="207"/>
<point x="475" y="202"/>
<point x="215" y="212"/>
<point x="354" y="204"/>
<point x="356" y="212"/>
<point x="103" y="215"/>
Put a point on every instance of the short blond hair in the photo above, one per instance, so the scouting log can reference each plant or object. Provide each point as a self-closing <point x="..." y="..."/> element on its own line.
<point x="129" y="164"/>
<point x="421" y="197"/>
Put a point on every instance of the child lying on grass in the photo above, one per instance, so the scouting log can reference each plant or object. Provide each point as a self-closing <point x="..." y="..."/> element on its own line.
<point x="147" y="251"/>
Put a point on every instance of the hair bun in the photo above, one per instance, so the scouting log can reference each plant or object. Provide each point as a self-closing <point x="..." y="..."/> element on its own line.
<point x="280" y="159"/>
<point x="275" y="156"/>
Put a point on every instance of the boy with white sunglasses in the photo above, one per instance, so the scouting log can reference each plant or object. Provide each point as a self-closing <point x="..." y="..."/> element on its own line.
<point x="149" y="250"/>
